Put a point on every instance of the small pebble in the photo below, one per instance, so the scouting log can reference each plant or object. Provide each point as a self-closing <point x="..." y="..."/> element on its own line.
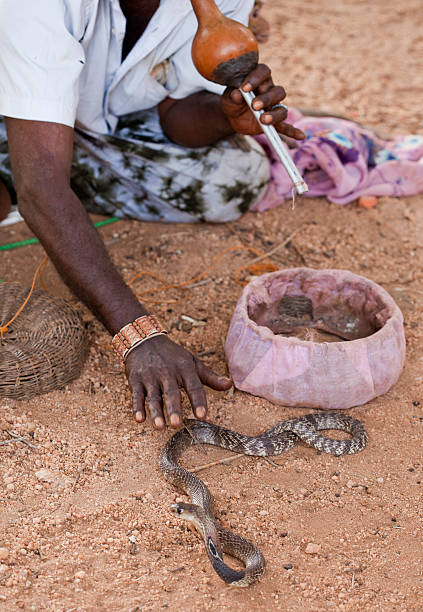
<point x="4" y="554"/>
<point x="288" y="566"/>
<point x="367" y="201"/>
<point x="80" y="574"/>
<point x="44" y="475"/>
<point x="312" y="549"/>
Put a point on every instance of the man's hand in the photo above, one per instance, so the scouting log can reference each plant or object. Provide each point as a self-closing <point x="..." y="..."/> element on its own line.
<point x="203" y="118"/>
<point x="156" y="372"/>
<point x="41" y="157"/>
<point x="268" y="96"/>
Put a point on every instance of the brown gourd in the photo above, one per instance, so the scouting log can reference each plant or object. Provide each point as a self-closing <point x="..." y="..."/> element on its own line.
<point x="223" y="51"/>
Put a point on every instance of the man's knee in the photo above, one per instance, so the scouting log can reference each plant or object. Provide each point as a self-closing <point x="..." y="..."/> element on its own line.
<point x="239" y="182"/>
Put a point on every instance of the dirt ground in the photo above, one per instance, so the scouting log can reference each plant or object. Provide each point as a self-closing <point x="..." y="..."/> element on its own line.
<point x="95" y="533"/>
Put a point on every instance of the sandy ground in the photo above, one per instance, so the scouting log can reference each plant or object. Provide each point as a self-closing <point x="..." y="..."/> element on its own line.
<point x="99" y="535"/>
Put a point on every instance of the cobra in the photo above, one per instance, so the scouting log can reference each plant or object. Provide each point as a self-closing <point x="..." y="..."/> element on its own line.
<point x="276" y="440"/>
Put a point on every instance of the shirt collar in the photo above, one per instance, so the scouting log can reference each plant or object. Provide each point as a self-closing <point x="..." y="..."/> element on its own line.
<point x="167" y="16"/>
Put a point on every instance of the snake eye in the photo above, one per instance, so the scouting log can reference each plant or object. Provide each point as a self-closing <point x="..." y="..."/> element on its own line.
<point x="213" y="550"/>
<point x="179" y="510"/>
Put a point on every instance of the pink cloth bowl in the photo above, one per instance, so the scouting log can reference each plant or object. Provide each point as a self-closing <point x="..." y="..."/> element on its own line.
<point x="294" y="372"/>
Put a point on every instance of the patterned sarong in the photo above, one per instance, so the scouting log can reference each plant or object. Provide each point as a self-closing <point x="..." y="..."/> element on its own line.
<point x="139" y="173"/>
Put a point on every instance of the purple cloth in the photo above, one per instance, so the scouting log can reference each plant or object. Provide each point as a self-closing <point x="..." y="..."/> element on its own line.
<point x="342" y="161"/>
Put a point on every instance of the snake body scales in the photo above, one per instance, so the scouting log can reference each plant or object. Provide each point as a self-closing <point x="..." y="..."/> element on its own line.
<point x="276" y="440"/>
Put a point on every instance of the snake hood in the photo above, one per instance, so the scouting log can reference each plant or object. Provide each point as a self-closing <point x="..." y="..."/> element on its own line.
<point x="272" y="442"/>
<point x="215" y="538"/>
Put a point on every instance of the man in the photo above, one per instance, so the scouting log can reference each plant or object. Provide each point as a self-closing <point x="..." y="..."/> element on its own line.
<point x="116" y="80"/>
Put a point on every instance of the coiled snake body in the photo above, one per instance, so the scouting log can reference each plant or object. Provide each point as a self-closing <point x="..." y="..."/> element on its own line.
<point x="279" y="438"/>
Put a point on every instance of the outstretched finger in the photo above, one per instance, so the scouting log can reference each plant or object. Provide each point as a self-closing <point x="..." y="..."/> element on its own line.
<point x="138" y="402"/>
<point x="196" y="394"/>
<point x="291" y="131"/>
<point x="172" y="400"/>
<point x="211" y="379"/>
<point x="155" y="406"/>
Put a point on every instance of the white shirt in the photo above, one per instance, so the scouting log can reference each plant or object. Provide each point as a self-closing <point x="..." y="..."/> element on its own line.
<point x="60" y="60"/>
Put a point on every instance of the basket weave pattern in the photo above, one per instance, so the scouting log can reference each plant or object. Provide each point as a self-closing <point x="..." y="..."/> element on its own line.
<point x="44" y="348"/>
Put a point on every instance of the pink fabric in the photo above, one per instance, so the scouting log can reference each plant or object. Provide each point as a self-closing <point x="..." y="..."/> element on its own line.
<point x="342" y="161"/>
<point x="294" y="372"/>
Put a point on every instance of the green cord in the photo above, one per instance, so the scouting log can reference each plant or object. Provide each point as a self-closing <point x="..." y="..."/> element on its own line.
<point x="107" y="221"/>
<point x="15" y="245"/>
<point x="22" y="243"/>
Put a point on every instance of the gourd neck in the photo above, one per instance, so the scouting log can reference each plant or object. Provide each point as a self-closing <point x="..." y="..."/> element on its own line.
<point x="206" y="11"/>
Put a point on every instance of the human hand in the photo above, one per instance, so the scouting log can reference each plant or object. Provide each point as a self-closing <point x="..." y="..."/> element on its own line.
<point x="268" y="96"/>
<point x="157" y="370"/>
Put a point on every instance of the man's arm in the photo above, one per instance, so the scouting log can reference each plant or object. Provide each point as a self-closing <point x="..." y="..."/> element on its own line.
<point x="41" y="155"/>
<point x="204" y="118"/>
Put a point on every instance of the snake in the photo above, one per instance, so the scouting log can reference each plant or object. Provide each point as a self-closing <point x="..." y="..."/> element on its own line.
<point x="279" y="438"/>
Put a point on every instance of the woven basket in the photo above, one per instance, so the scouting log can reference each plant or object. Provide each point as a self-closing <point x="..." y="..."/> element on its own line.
<point x="44" y="348"/>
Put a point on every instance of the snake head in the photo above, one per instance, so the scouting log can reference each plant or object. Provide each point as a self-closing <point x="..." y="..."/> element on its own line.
<point x="184" y="510"/>
<point x="188" y="512"/>
<point x="205" y="526"/>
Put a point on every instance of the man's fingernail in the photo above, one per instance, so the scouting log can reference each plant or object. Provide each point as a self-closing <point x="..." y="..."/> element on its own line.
<point x="158" y="422"/>
<point x="201" y="412"/>
<point x="247" y="87"/>
<point x="139" y="417"/>
<point x="174" y="420"/>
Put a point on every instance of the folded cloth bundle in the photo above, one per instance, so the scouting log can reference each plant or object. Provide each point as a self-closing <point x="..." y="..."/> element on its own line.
<point x="343" y="161"/>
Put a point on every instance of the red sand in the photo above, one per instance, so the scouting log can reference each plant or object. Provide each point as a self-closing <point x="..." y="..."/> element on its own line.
<point x="98" y="534"/>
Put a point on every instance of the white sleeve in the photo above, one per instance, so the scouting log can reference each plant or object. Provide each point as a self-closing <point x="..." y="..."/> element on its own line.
<point x="184" y="77"/>
<point x="40" y="62"/>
